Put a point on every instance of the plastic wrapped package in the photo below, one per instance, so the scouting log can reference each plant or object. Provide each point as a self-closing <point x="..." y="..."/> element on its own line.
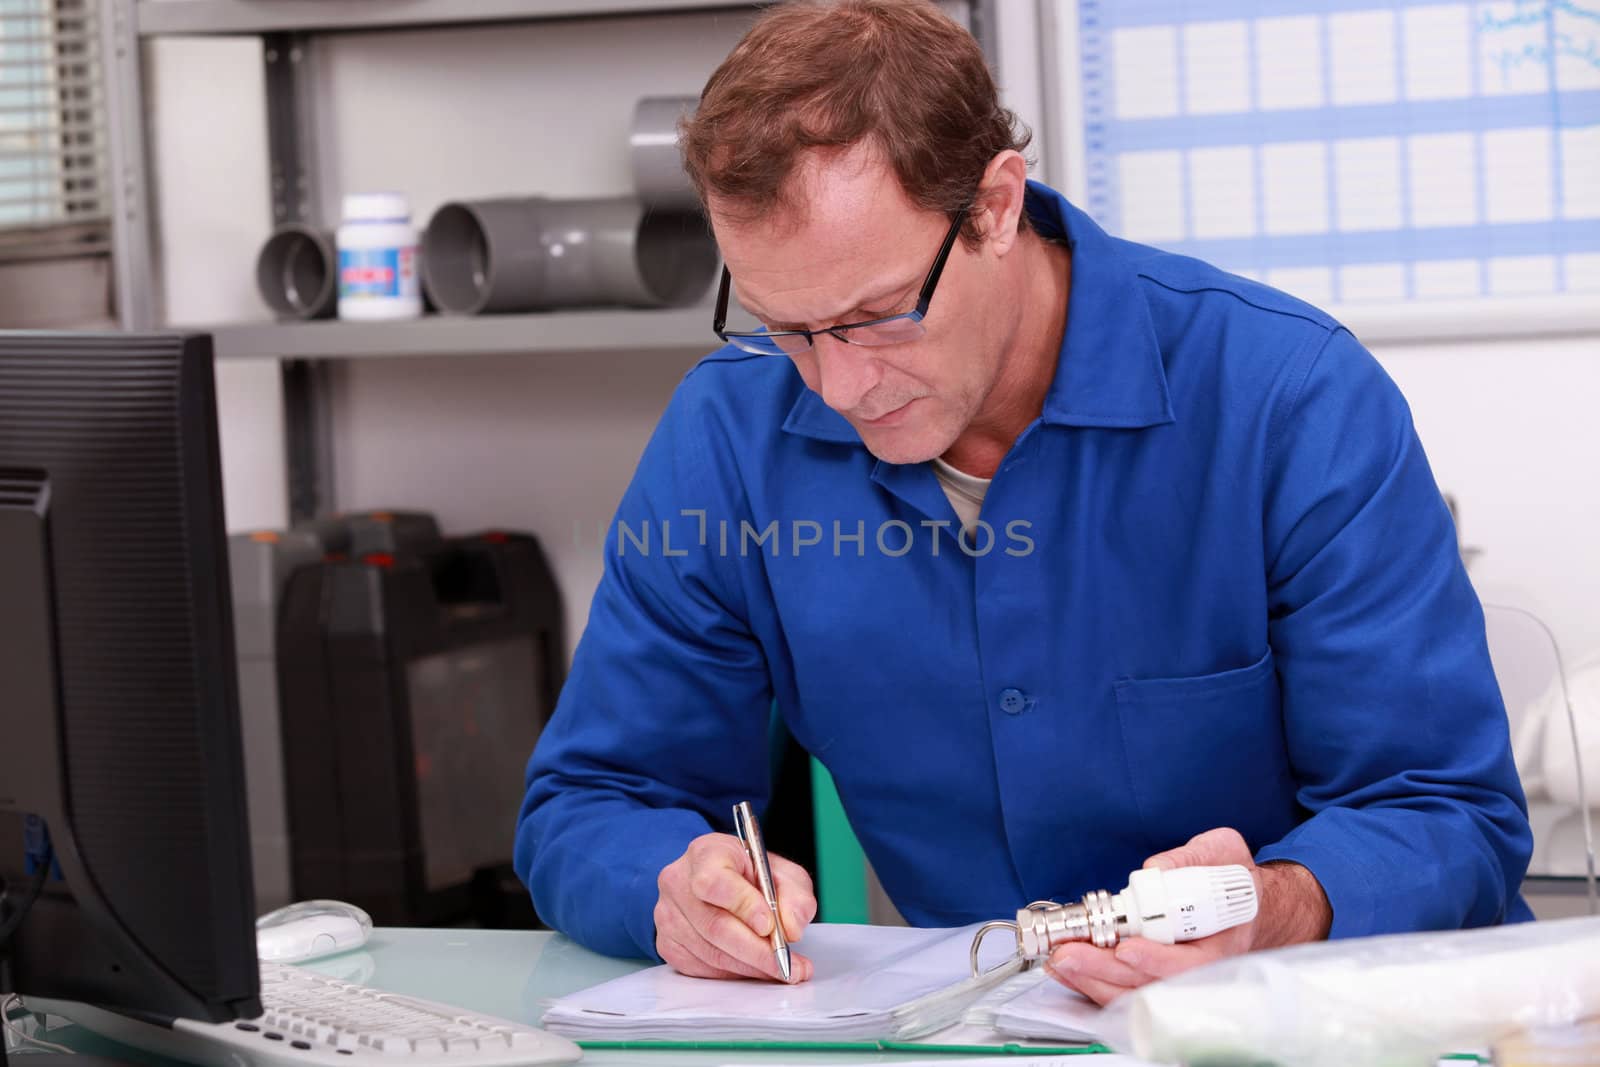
<point x="1396" y="1000"/>
<point x="1560" y="761"/>
<point x="1566" y="1046"/>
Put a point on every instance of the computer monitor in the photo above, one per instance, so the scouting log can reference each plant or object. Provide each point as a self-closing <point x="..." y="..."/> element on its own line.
<point x="119" y="720"/>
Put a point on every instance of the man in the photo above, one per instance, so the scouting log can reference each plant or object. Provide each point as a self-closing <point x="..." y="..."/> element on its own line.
<point x="1064" y="556"/>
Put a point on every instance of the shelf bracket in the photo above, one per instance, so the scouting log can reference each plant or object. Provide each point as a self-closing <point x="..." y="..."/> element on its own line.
<point x="984" y="22"/>
<point x="132" y="243"/>
<point x="291" y="129"/>
<point x="291" y="155"/>
<point x="307" y="434"/>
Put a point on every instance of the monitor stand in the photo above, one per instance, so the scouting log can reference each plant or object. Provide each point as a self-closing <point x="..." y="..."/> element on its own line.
<point x="55" y="1037"/>
<point x="78" y="1060"/>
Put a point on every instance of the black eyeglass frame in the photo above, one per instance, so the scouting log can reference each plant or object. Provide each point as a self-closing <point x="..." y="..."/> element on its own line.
<point x="917" y="314"/>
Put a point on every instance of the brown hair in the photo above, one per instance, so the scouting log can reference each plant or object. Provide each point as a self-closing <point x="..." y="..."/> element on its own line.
<point x="813" y="74"/>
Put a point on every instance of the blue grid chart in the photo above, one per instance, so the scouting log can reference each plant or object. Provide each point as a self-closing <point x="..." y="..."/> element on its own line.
<point x="1352" y="151"/>
<point x="29" y="173"/>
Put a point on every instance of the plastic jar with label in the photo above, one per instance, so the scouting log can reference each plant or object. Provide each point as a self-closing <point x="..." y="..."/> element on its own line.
<point x="378" y="276"/>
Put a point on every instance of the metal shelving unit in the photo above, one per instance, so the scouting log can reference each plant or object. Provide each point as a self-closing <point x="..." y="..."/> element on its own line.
<point x="289" y="30"/>
<point x="555" y="331"/>
<point x="158" y="18"/>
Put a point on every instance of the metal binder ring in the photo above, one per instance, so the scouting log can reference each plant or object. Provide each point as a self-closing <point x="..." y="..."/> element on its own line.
<point x="977" y="941"/>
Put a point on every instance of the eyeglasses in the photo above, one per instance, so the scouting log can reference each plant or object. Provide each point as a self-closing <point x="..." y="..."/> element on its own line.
<point x="889" y="330"/>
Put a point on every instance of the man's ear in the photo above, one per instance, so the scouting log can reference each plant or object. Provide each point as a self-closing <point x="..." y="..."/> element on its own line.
<point x="998" y="204"/>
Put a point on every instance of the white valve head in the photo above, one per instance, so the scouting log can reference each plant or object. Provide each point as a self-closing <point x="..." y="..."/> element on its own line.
<point x="1187" y="903"/>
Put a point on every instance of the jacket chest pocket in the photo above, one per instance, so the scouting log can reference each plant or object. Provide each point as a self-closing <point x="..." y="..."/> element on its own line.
<point x="1207" y="751"/>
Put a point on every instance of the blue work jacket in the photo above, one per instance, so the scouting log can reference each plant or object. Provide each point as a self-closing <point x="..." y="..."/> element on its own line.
<point x="1218" y="587"/>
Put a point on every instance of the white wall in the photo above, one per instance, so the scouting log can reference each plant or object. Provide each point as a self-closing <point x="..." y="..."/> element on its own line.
<point x="539" y="442"/>
<point x="207" y="127"/>
<point x="1513" y="432"/>
<point x="534" y="109"/>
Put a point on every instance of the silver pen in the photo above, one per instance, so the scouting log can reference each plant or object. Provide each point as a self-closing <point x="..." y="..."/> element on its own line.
<point x="749" y="831"/>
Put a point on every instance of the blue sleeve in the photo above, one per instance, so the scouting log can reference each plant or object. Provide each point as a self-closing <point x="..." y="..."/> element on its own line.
<point x="662" y="724"/>
<point x="1395" y="727"/>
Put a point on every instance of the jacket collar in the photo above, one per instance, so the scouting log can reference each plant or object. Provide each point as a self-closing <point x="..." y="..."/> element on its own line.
<point x="1110" y="372"/>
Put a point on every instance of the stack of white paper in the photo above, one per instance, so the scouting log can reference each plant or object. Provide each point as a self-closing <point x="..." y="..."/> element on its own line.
<point x="868" y="983"/>
<point x="980" y="1014"/>
<point x="1048" y="1011"/>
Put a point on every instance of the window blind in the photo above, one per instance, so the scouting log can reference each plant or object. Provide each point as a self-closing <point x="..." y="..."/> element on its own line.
<point x="54" y="191"/>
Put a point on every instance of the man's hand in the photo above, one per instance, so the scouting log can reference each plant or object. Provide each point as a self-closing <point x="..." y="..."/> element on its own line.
<point x="1291" y="907"/>
<point x="711" y="920"/>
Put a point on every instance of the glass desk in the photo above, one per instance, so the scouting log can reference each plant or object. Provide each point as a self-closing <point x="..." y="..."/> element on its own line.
<point x="512" y="974"/>
<point x="509" y="973"/>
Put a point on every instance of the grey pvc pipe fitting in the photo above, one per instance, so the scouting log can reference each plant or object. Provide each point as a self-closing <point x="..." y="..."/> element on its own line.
<point x="658" y="175"/>
<point x="533" y="253"/>
<point x="298" y="273"/>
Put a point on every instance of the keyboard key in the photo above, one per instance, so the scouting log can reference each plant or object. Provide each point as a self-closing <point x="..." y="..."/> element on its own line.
<point x="388" y="1044"/>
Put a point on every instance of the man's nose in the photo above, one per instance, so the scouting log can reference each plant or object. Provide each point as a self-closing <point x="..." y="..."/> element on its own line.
<point x="848" y="372"/>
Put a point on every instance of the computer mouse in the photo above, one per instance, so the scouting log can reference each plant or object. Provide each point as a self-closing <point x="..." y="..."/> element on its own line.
<point x="311" y="929"/>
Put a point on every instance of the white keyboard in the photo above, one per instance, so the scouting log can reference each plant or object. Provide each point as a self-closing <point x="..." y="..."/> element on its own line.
<point x="311" y="1019"/>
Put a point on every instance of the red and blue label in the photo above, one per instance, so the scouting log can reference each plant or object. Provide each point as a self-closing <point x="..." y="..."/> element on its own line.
<point x="377" y="272"/>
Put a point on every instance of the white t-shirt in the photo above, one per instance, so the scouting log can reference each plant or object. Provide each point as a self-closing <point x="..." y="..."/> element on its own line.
<point x="965" y="492"/>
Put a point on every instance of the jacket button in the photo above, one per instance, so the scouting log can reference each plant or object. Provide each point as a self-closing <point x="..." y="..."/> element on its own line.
<point x="1013" y="701"/>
